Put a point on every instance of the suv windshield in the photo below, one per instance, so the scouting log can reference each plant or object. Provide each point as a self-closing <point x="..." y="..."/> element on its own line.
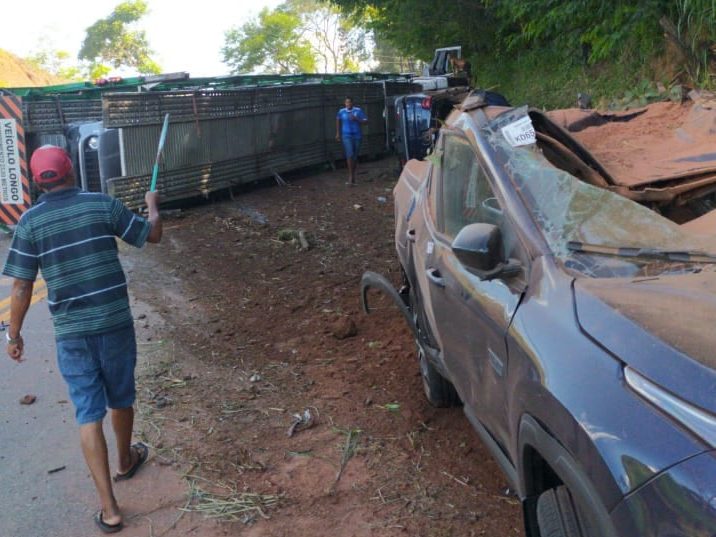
<point x="591" y="229"/>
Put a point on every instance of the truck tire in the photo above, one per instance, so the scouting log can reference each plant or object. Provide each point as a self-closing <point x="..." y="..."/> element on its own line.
<point x="438" y="390"/>
<point x="557" y="514"/>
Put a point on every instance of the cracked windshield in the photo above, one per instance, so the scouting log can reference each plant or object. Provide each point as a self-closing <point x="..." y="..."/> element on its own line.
<point x="592" y="230"/>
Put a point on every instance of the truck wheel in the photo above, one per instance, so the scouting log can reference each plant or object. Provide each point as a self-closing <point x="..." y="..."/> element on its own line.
<point x="557" y="514"/>
<point x="438" y="390"/>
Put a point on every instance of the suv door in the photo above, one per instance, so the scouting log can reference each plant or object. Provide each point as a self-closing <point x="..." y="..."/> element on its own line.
<point x="472" y="316"/>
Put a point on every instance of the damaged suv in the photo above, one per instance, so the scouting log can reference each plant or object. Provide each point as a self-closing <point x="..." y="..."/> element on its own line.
<point x="567" y="302"/>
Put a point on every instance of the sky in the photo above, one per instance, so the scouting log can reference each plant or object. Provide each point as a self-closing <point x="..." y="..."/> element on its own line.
<point x="185" y="36"/>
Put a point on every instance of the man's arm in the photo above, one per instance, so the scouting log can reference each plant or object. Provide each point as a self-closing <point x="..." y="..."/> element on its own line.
<point x="152" y="200"/>
<point x="19" y="304"/>
<point x="338" y="129"/>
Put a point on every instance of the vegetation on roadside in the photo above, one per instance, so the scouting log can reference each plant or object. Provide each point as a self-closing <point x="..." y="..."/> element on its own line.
<point x="545" y="52"/>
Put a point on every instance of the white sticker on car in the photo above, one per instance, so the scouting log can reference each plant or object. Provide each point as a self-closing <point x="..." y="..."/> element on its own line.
<point x="520" y="132"/>
<point x="430" y="247"/>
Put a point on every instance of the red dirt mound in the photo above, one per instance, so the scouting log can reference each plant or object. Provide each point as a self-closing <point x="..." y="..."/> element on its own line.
<point x="16" y="72"/>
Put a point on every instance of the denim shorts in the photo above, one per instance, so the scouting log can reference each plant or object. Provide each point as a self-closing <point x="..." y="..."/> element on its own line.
<point x="351" y="146"/>
<point x="99" y="371"/>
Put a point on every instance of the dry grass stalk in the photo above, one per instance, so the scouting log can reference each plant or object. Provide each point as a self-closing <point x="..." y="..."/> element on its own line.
<point x="233" y="506"/>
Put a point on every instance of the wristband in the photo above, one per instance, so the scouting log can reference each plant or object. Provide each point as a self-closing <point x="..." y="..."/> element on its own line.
<point x="13" y="341"/>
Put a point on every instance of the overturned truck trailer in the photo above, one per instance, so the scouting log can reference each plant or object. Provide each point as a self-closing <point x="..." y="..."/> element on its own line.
<point x="218" y="138"/>
<point x="221" y="139"/>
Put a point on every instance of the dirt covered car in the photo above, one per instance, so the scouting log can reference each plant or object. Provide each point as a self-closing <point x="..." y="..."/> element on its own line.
<point x="564" y="292"/>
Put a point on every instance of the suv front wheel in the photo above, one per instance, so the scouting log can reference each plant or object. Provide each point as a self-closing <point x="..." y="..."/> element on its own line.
<point x="438" y="390"/>
<point x="557" y="514"/>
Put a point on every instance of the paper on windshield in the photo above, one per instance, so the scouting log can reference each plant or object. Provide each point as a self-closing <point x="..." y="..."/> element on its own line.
<point x="521" y="132"/>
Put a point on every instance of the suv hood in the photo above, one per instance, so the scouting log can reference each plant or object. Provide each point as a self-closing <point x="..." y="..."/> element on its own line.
<point x="663" y="327"/>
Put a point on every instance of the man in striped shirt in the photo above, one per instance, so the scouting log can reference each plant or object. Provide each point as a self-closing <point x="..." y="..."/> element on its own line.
<point x="70" y="236"/>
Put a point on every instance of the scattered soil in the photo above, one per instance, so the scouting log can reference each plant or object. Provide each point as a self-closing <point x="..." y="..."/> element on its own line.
<point x="662" y="140"/>
<point x="258" y="330"/>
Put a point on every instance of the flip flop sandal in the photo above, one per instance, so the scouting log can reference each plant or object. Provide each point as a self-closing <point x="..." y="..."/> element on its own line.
<point x="143" y="451"/>
<point x="106" y="528"/>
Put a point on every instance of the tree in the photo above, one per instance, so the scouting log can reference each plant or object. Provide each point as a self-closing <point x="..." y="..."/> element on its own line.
<point x="115" y="42"/>
<point x="339" y="44"/>
<point x="392" y="60"/>
<point x="299" y="36"/>
<point x="417" y="27"/>
<point x="57" y="63"/>
<point x="271" y="43"/>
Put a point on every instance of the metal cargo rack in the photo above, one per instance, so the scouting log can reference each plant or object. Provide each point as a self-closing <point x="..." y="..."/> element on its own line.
<point x="220" y="139"/>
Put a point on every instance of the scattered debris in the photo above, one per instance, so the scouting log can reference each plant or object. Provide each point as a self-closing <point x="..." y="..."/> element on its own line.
<point x="55" y="470"/>
<point x="303" y="240"/>
<point x="382" y="199"/>
<point x="279" y="179"/>
<point x="707" y="99"/>
<point x="296" y="236"/>
<point x="255" y="378"/>
<point x="390" y="407"/>
<point x="344" y="328"/>
<point x="584" y="101"/>
<point x="171" y="213"/>
<point x="161" y="402"/>
<point x="234" y="506"/>
<point x="256" y="217"/>
<point x="303" y="421"/>
<point x="28" y="399"/>
<point x="358" y="207"/>
<point x="464" y="481"/>
<point x="349" y="449"/>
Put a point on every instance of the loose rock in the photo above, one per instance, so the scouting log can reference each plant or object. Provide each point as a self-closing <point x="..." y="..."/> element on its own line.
<point x="28" y="399"/>
<point x="344" y="328"/>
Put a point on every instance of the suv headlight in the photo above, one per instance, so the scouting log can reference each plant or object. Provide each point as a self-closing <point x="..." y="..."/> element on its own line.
<point x="698" y="421"/>
<point x="93" y="143"/>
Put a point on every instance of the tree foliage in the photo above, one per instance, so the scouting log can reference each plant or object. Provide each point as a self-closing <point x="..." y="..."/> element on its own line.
<point x="57" y="62"/>
<point x="272" y="43"/>
<point x="417" y="27"/>
<point x="114" y="41"/>
<point x="299" y="36"/>
<point x="589" y="31"/>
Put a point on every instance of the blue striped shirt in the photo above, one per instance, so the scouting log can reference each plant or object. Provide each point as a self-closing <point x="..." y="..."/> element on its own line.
<point x="70" y="236"/>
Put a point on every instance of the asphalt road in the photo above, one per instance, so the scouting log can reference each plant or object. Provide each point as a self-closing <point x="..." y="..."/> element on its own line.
<point x="46" y="488"/>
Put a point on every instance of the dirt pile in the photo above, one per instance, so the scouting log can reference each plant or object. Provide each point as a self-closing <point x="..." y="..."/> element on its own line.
<point x="661" y="141"/>
<point x="269" y="384"/>
<point x="16" y="72"/>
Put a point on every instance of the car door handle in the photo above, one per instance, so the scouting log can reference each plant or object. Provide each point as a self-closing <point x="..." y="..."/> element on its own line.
<point x="411" y="235"/>
<point x="435" y="277"/>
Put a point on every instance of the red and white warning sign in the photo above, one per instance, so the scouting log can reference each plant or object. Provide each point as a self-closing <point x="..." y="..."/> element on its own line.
<point x="10" y="171"/>
<point x="14" y="180"/>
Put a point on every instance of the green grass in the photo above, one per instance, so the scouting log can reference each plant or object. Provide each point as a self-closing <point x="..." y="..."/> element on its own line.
<point x="549" y="79"/>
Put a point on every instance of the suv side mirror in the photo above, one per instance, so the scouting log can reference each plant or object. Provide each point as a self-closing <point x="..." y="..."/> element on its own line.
<point x="479" y="248"/>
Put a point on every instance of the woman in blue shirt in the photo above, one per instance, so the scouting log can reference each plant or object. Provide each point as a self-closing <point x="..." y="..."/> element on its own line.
<point x="348" y="130"/>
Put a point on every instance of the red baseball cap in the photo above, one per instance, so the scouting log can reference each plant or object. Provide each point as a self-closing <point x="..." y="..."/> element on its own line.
<point x="50" y="164"/>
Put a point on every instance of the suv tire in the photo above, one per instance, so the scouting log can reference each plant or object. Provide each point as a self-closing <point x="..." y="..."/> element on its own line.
<point x="438" y="390"/>
<point x="557" y="514"/>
